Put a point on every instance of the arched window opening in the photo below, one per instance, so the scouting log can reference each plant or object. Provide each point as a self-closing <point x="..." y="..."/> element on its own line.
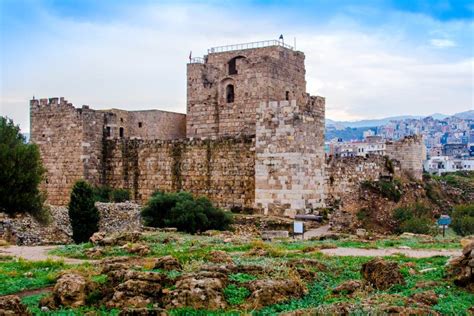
<point x="229" y="93"/>
<point x="233" y="65"/>
<point x="121" y="132"/>
<point x="287" y="95"/>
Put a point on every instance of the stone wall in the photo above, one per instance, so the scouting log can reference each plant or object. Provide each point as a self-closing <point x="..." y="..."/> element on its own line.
<point x="261" y="75"/>
<point x="411" y="153"/>
<point x="222" y="169"/>
<point x="58" y="130"/>
<point x="345" y="174"/>
<point x="24" y="229"/>
<point x="289" y="168"/>
<point x="149" y="124"/>
<point x="71" y="140"/>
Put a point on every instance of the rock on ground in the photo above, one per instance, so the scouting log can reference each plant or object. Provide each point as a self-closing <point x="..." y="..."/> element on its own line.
<point x="168" y="263"/>
<point x="201" y="290"/>
<point x="382" y="274"/>
<point x="461" y="268"/>
<point x="11" y="305"/>
<point x="347" y="287"/>
<point x="70" y="290"/>
<point x="267" y="292"/>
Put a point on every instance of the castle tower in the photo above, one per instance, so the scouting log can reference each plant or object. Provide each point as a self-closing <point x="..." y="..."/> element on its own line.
<point x="225" y="88"/>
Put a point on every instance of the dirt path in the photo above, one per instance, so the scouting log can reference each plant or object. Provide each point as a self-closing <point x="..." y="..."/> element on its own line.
<point x="323" y="230"/>
<point x="36" y="253"/>
<point x="414" y="253"/>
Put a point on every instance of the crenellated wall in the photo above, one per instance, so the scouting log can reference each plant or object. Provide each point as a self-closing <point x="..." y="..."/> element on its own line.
<point x="263" y="74"/>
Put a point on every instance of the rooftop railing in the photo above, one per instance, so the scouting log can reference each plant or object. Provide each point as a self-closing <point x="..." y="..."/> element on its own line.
<point x="196" y="60"/>
<point x="228" y="48"/>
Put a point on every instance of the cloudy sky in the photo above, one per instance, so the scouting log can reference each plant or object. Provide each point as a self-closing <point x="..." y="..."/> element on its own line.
<point x="370" y="59"/>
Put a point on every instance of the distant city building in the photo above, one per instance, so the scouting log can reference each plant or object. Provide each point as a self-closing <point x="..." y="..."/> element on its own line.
<point x="442" y="164"/>
<point x="455" y="150"/>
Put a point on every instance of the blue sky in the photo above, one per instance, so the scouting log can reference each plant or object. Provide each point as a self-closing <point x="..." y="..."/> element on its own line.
<point x="368" y="58"/>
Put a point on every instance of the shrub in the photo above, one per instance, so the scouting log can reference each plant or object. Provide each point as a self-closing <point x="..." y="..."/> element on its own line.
<point x="183" y="211"/>
<point x="102" y="194"/>
<point x="119" y="195"/>
<point x="417" y="226"/>
<point x="415" y="218"/>
<point x="389" y="189"/>
<point x="463" y="219"/>
<point x="21" y="172"/>
<point x="83" y="214"/>
<point x="106" y="194"/>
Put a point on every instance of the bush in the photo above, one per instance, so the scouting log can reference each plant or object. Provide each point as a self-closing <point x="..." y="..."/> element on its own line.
<point x="119" y="195"/>
<point x="417" y="226"/>
<point x="21" y="172"/>
<point x="83" y="214"/>
<point x="389" y="189"/>
<point x="463" y="220"/>
<point x="414" y="218"/>
<point x="106" y="194"/>
<point x="183" y="211"/>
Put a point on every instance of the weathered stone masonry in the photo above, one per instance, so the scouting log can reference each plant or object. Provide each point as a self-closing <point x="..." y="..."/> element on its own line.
<point x="252" y="138"/>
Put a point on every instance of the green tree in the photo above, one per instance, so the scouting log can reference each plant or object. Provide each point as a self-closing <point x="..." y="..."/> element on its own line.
<point x="21" y="172"/>
<point x="463" y="219"/>
<point x="83" y="214"/>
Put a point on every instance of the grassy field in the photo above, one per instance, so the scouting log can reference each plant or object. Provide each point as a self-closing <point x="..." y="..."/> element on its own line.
<point x="193" y="251"/>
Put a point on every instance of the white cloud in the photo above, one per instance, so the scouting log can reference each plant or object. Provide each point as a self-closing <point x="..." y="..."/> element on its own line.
<point x="442" y="43"/>
<point x="139" y="62"/>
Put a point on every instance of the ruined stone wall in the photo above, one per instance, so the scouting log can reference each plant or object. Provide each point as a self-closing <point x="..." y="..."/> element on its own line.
<point x="411" y="153"/>
<point x="262" y="74"/>
<point x="57" y="129"/>
<point x="149" y="124"/>
<point x="289" y="167"/>
<point x="345" y="174"/>
<point x="222" y="169"/>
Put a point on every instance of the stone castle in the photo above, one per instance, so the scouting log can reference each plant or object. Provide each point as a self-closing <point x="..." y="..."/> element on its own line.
<point x="252" y="138"/>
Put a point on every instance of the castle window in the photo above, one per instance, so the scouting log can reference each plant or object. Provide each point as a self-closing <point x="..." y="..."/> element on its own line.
<point x="108" y="131"/>
<point x="121" y="132"/>
<point x="233" y="65"/>
<point x="140" y="124"/>
<point x="229" y="93"/>
<point x="287" y="95"/>
<point x="121" y="119"/>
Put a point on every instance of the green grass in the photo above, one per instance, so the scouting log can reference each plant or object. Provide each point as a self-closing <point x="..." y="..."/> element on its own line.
<point x="19" y="275"/>
<point x="193" y="251"/>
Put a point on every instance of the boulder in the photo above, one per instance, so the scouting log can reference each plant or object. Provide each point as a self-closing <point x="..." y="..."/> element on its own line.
<point x="268" y="292"/>
<point x="202" y="290"/>
<point x="461" y="269"/>
<point x="347" y="287"/>
<point x="426" y="297"/>
<point x="120" y="239"/>
<point x="94" y="252"/>
<point x="11" y="305"/>
<point x="219" y="256"/>
<point x="139" y="249"/>
<point x="138" y="289"/>
<point x="97" y="238"/>
<point x="382" y="274"/>
<point x="71" y="290"/>
<point x="168" y="263"/>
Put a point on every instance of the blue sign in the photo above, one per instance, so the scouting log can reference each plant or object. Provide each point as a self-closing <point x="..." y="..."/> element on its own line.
<point x="444" y="220"/>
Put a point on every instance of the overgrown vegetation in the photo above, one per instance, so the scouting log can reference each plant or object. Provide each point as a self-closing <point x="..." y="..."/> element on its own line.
<point x="83" y="214"/>
<point x="194" y="250"/>
<point x="463" y="219"/>
<point x="21" y="172"/>
<point x="183" y="211"/>
<point x="415" y="218"/>
<point x="17" y="274"/>
<point x="106" y="194"/>
<point x="391" y="189"/>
